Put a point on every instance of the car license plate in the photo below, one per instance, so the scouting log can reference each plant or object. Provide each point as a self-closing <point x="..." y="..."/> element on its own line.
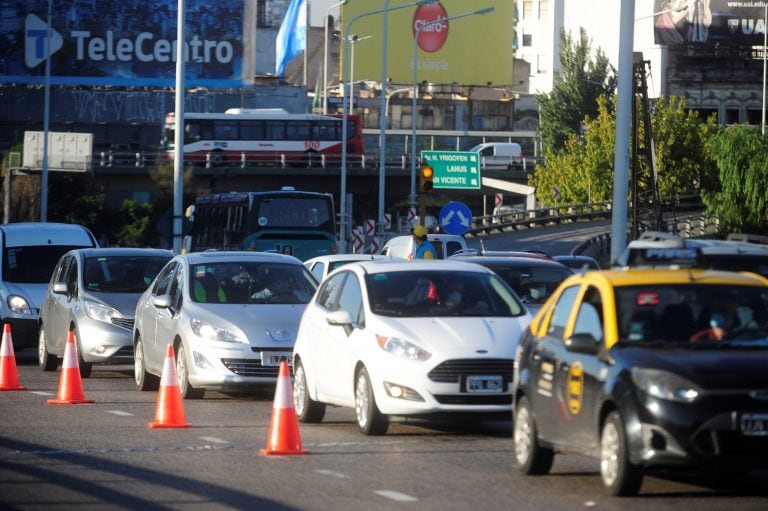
<point x="754" y="424"/>
<point x="484" y="384"/>
<point x="273" y="358"/>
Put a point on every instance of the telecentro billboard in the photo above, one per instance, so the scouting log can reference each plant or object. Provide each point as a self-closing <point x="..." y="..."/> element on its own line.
<point x="121" y="42"/>
<point x="467" y="50"/>
<point x="724" y="22"/>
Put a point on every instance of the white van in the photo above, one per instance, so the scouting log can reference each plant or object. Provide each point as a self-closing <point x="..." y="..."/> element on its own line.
<point x="30" y="251"/>
<point x="499" y="155"/>
<point x="445" y="245"/>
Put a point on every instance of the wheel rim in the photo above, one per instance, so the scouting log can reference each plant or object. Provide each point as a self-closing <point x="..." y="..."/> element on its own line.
<point x="138" y="363"/>
<point x="299" y="390"/>
<point x="42" y="350"/>
<point x="181" y="371"/>
<point x="362" y="403"/>
<point x="609" y="453"/>
<point x="523" y="434"/>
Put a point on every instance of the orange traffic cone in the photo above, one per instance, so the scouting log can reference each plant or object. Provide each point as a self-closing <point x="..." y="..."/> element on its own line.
<point x="170" y="410"/>
<point x="284" y="429"/>
<point x="70" y="384"/>
<point x="9" y="378"/>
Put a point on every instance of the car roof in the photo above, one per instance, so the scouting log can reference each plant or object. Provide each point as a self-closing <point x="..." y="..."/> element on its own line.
<point x="46" y="233"/>
<point x="216" y="256"/>
<point x="515" y="261"/>
<point x="397" y="264"/>
<point x="332" y="258"/>
<point x="123" y="251"/>
<point x="473" y="252"/>
<point x="661" y="276"/>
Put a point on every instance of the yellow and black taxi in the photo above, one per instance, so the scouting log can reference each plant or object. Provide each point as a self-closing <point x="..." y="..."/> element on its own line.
<point x="646" y="369"/>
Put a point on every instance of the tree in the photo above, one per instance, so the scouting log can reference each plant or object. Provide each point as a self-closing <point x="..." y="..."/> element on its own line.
<point x="737" y="194"/>
<point x="575" y="91"/>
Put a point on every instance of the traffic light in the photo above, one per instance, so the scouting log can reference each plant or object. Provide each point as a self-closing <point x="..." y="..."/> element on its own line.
<point x="425" y="178"/>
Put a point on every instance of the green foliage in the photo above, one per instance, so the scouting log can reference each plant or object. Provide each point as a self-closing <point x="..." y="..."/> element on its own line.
<point x="575" y="92"/>
<point x="137" y="225"/>
<point x="738" y="197"/>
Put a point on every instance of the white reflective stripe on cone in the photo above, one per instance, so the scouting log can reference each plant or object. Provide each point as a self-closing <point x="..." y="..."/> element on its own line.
<point x="169" y="378"/>
<point x="283" y="393"/>
<point x="6" y="349"/>
<point x="70" y="357"/>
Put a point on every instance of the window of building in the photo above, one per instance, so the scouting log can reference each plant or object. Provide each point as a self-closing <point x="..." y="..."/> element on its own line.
<point x="528" y="9"/>
<point x="542" y="64"/>
<point x="543" y="9"/>
<point x="527" y="40"/>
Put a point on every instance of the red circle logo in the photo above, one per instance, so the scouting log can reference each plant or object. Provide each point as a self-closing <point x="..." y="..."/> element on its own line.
<point x="429" y="22"/>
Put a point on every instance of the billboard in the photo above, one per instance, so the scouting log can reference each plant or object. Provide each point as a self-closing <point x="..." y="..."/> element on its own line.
<point x="724" y="22"/>
<point x="468" y="50"/>
<point x="121" y="42"/>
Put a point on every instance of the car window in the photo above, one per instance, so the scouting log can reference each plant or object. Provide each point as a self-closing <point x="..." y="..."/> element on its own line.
<point x="175" y="290"/>
<point x="351" y="299"/>
<point x="589" y="319"/>
<point x="562" y="311"/>
<point x="318" y="269"/>
<point x="326" y="296"/>
<point x="32" y="264"/>
<point x="451" y="247"/>
<point x="70" y="274"/>
<point x="60" y="273"/>
<point x="164" y="280"/>
<point x="532" y="284"/>
<point x="121" y="273"/>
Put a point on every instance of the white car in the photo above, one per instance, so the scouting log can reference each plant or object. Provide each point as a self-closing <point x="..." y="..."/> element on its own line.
<point x="408" y="338"/>
<point x="321" y="266"/>
<point x="231" y="316"/>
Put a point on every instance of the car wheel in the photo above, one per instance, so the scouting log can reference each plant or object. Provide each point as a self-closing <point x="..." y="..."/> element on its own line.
<point x="369" y="420"/>
<point x="45" y="360"/>
<point x="531" y="457"/>
<point x="620" y="476"/>
<point x="307" y="409"/>
<point x="144" y="380"/>
<point x="182" y="373"/>
<point x="85" y="367"/>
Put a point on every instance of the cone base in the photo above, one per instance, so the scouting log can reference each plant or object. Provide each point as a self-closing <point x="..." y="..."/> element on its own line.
<point x="279" y="452"/>
<point x="153" y="425"/>
<point x="9" y="389"/>
<point x="70" y="401"/>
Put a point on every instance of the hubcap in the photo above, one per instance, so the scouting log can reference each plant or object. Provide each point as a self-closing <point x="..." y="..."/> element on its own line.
<point x="523" y="432"/>
<point x="361" y="400"/>
<point x="299" y="391"/>
<point x="609" y="453"/>
<point x="42" y="350"/>
<point x="138" y="364"/>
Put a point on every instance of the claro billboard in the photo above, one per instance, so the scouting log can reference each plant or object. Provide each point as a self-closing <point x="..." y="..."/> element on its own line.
<point x="468" y="50"/>
<point x="724" y="22"/>
<point x="121" y="42"/>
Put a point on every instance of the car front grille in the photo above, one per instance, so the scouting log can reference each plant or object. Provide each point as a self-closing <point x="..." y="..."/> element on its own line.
<point x="477" y="400"/>
<point x="452" y="371"/>
<point x="732" y="444"/>
<point x="252" y="366"/>
<point x="126" y="323"/>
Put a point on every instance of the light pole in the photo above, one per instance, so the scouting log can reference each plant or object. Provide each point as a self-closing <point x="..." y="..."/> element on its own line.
<point x="353" y="40"/>
<point x="386" y="103"/>
<point x="344" y="118"/>
<point x="415" y="64"/>
<point x="325" y="54"/>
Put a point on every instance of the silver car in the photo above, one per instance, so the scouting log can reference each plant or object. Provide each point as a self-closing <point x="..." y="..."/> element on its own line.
<point x="93" y="293"/>
<point x="232" y="318"/>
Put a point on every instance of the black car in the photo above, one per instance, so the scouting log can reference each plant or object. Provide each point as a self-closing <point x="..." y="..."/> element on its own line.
<point x="644" y="369"/>
<point x="532" y="276"/>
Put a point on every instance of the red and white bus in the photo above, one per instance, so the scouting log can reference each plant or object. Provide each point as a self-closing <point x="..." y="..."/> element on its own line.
<point x="247" y="137"/>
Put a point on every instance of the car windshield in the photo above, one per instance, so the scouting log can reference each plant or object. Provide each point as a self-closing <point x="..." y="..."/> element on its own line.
<point x="532" y="284"/>
<point x="33" y="264"/>
<point x="121" y="274"/>
<point x="694" y="315"/>
<point x="248" y="282"/>
<point x="440" y="293"/>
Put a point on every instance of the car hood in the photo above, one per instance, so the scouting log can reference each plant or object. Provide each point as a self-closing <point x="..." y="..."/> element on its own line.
<point x="711" y="369"/>
<point x="496" y="335"/>
<point x="273" y="325"/>
<point x="123" y="302"/>
<point x="33" y="293"/>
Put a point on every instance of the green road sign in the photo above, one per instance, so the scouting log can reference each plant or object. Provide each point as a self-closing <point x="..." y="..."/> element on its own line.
<point x="454" y="169"/>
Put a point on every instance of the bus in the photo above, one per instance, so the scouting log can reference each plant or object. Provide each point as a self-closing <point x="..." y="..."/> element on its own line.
<point x="286" y="221"/>
<point x="270" y="136"/>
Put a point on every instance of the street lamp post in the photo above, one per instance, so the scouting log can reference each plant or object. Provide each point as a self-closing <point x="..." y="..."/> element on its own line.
<point x="344" y="119"/>
<point x="386" y="103"/>
<point x="415" y="64"/>
<point x="325" y="54"/>
<point x="353" y="40"/>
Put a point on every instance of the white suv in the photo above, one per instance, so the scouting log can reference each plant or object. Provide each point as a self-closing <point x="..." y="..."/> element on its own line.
<point x="445" y="245"/>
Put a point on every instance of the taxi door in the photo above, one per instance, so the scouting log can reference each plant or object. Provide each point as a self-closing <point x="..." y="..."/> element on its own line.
<point x="579" y="374"/>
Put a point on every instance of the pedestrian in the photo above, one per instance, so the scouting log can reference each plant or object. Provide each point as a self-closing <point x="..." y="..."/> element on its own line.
<point x="422" y="247"/>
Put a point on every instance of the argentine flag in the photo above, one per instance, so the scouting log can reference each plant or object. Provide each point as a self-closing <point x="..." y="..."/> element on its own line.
<point x="292" y="36"/>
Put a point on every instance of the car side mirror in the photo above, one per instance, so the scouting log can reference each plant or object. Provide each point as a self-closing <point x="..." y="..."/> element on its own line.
<point x="162" y="302"/>
<point x="340" y="318"/>
<point x="60" y="288"/>
<point x="583" y="343"/>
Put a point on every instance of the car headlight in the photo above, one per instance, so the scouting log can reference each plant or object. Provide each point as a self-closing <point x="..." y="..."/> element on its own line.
<point x="402" y="348"/>
<point x="211" y="332"/>
<point x="101" y="312"/>
<point x="665" y="385"/>
<point x="19" y="305"/>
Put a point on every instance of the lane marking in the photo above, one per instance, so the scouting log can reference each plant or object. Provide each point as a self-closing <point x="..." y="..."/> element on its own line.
<point x="213" y="440"/>
<point x="396" y="495"/>
<point x="42" y="393"/>
<point x="120" y="413"/>
<point x="332" y="473"/>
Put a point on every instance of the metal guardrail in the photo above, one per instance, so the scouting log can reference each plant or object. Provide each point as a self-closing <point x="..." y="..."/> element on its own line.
<point x="529" y="218"/>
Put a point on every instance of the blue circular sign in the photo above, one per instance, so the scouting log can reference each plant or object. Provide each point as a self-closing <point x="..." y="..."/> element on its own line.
<point x="455" y="218"/>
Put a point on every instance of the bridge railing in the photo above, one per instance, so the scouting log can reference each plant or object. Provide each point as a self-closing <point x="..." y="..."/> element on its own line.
<point x="526" y="219"/>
